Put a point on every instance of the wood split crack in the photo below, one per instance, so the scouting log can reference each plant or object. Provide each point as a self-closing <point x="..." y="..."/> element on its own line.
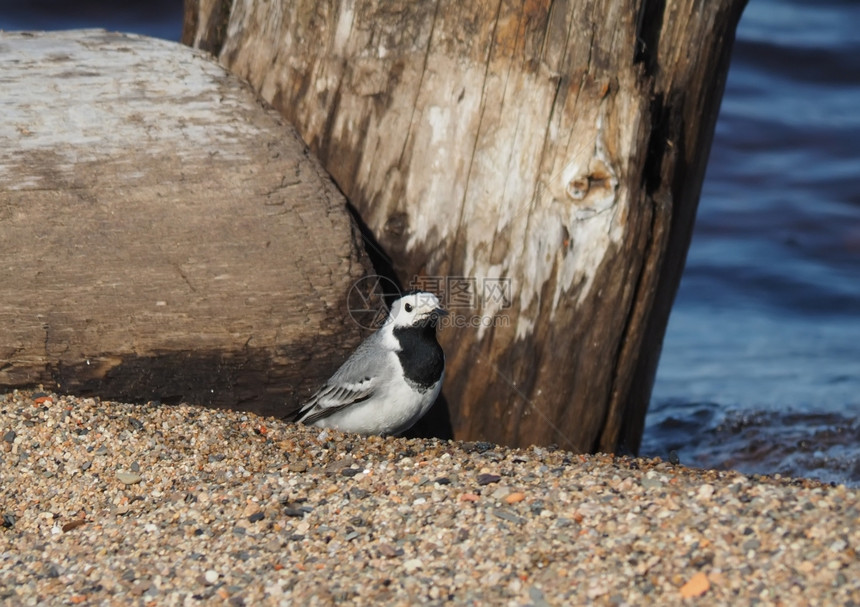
<point x="418" y="88"/>
<point x="184" y="276"/>
<point x="483" y="106"/>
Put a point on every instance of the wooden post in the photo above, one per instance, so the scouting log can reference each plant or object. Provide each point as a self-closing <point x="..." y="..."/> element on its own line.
<point x="548" y="153"/>
<point x="162" y="234"/>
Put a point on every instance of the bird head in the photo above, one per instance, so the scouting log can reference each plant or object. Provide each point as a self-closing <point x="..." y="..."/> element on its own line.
<point x="416" y="309"/>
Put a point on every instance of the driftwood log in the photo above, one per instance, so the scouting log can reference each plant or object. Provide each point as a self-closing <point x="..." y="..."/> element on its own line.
<point x="162" y="234"/>
<point x="538" y="162"/>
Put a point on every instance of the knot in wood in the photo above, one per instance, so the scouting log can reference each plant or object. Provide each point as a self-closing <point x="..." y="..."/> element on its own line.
<point x="578" y="188"/>
<point x="598" y="182"/>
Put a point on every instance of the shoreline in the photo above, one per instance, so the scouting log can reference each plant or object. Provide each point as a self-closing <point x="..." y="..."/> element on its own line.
<point x="112" y="503"/>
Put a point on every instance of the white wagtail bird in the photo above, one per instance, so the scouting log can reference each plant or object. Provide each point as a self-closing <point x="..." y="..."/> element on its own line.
<point x="391" y="379"/>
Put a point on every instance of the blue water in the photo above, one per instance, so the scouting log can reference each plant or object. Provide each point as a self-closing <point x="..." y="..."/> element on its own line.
<point x="761" y="363"/>
<point x="157" y="18"/>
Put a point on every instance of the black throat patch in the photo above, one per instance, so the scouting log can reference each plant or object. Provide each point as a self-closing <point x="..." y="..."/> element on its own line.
<point x="420" y="355"/>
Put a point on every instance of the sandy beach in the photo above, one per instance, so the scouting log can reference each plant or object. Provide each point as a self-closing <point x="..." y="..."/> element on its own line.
<point x="106" y="503"/>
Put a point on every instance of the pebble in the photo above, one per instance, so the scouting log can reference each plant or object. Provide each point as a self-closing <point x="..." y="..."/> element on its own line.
<point x="696" y="586"/>
<point x="705" y="492"/>
<point x="501" y="493"/>
<point x="387" y="550"/>
<point x="515" y="497"/>
<point x="509" y="516"/>
<point x="537" y="597"/>
<point x="412" y="565"/>
<point x="487" y="479"/>
<point x="238" y="509"/>
<point x="651" y="483"/>
<point x="129" y="478"/>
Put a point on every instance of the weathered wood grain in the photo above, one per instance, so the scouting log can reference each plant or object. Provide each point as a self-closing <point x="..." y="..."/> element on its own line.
<point x="163" y="235"/>
<point x="556" y="144"/>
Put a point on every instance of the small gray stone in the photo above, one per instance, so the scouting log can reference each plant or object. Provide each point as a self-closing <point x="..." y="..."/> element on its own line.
<point x="128" y="478"/>
<point x="501" y="493"/>
<point x="838" y="545"/>
<point x="537" y="597"/>
<point x="508" y="516"/>
<point x="651" y="483"/>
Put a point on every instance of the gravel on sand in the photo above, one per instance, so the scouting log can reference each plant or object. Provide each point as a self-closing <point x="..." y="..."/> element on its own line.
<point x="105" y="503"/>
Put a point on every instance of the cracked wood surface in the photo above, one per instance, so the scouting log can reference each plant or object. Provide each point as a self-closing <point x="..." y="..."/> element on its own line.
<point x="560" y="145"/>
<point x="162" y="234"/>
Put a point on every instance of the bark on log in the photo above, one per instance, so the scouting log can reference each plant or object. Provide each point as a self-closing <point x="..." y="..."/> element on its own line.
<point x="162" y="234"/>
<point x="557" y="144"/>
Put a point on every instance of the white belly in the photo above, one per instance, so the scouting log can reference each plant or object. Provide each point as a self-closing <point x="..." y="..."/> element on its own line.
<point x="390" y="411"/>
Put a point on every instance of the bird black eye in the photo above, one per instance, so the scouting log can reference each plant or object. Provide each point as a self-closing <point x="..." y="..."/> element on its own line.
<point x="408" y="307"/>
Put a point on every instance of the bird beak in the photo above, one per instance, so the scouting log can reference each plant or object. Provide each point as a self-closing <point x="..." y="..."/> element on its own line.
<point x="435" y="315"/>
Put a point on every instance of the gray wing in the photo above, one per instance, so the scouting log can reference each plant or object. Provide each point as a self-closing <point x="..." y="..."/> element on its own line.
<point x="356" y="381"/>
